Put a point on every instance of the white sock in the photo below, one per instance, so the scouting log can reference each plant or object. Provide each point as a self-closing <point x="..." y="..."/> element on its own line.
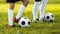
<point x="20" y="11"/>
<point x="35" y="10"/>
<point x="10" y="17"/>
<point x="42" y="8"/>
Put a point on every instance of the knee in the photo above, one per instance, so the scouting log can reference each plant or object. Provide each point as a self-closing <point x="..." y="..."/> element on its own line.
<point x="25" y="3"/>
<point x="12" y="6"/>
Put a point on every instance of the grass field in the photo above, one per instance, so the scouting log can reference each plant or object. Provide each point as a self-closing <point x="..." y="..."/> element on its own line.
<point x="35" y="28"/>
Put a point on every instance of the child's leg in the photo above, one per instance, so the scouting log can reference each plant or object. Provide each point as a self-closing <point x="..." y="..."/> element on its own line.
<point x="42" y="8"/>
<point x="35" y="9"/>
<point x="10" y="14"/>
<point x="22" y="8"/>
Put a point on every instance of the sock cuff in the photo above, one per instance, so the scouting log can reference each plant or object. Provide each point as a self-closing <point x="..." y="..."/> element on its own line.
<point x="23" y="6"/>
<point x="10" y="9"/>
<point x="37" y="2"/>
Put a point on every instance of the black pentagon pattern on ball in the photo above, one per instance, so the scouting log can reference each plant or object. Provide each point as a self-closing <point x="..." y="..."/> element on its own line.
<point x="23" y="23"/>
<point x="47" y="17"/>
<point x="51" y="20"/>
<point x="29" y="22"/>
<point x="52" y="15"/>
<point x="25" y="18"/>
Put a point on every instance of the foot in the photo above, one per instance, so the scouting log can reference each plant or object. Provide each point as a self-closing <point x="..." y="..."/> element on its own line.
<point x="37" y="20"/>
<point x="16" y="20"/>
<point x="41" y="19"/>
<point x="11" y="26"/>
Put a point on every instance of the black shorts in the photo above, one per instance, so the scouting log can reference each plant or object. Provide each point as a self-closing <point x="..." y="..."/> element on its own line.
<point x="37" y="0"/>
<point x="12" y="1"/>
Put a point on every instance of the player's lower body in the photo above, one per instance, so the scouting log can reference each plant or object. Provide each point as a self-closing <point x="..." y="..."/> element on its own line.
<point x="42" y="5"/>
<point x="10" y="11"/>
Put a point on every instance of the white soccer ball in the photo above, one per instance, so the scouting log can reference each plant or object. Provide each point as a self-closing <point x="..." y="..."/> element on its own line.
<point x="49" y="17"/>
<point x="24" y="22"/>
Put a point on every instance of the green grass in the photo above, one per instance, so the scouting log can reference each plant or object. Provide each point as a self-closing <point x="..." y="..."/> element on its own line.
<point x="35" y="28"/>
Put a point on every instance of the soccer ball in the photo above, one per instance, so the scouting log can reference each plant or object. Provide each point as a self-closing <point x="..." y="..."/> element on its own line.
<point x="24" y="22"/>
<point x="49" y="17"/>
